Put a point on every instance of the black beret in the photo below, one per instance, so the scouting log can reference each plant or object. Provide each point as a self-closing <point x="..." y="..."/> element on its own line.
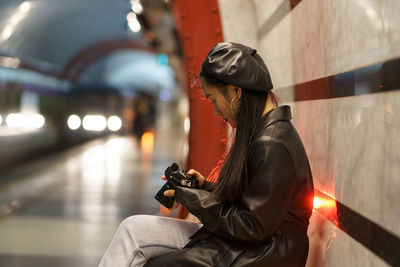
<point x="238" y="65"/>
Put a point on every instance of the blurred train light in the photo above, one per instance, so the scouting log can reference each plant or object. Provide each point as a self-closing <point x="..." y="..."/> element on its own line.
<point x="147" y="142"/>
<point x="94" y="123"/>
<point x="137" y="7"/>
<point x="37" y="121"/>
<point x="114" y="123"/>
<point x="27" y="121"/>
<point x="74" y="122"/>
<point x="1" y="119"/>
<point x="15" y="120"/>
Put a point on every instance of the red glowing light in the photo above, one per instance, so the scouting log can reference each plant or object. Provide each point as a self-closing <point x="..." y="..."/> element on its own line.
<point x="325" y="205"/>
<point x="320" y="202"/>
<point x="317" y="202"/>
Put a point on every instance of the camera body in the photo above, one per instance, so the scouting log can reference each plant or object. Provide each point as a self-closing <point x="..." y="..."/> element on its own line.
<point x="175" y="177"/>
<point x="179" y="177"/>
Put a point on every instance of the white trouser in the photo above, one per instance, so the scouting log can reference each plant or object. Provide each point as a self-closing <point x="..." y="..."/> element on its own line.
<point x="142" y="237"/>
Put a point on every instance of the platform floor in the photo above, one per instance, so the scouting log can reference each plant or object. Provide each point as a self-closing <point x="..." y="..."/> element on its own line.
<point x="63" y="210"/>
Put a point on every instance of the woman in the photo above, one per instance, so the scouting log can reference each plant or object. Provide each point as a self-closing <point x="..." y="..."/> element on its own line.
<point x="257" y="214"/>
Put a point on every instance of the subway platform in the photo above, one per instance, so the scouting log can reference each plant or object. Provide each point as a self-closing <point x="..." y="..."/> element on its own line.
<point x="63" y="210"/>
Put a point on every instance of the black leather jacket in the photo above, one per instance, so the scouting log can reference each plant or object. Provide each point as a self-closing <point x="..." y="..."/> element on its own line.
<point x="270" y="228"/>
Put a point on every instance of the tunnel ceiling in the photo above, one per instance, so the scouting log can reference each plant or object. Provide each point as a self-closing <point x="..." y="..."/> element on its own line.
<point x="133" y="75"/>
<point x="63" y="37"/>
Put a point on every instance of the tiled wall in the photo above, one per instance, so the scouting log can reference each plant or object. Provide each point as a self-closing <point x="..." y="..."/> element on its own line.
<point x="353" y="142"/>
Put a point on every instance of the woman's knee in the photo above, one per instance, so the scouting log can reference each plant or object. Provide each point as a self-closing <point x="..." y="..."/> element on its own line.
<point x="135" y="221"/>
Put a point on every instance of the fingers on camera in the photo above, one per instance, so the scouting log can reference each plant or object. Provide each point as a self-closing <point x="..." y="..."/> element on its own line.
<point x="169" y="193"/>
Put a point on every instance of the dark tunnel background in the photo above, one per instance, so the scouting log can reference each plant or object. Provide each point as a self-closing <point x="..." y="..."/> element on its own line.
<point x="63" y="58"/>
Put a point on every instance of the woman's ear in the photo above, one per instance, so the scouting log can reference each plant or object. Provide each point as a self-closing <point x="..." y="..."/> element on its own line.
<point x="238" y="92"/>
<point x="233" y="91"/>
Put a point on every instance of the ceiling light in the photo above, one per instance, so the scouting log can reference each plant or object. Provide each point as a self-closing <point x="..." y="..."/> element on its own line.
<point x="137" y="7"/>
<point x="7" y="32"/>
<point x="131" y="16"/>
<point x="16" y="18"/>
<point x="24" y="7"/>
<point x="134" y="25"/>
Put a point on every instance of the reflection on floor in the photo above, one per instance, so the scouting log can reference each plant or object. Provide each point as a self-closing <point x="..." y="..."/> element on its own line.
<point x="64" y="210"/>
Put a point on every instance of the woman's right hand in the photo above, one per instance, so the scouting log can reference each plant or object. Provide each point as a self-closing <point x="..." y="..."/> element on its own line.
<point x="197" y="175"/>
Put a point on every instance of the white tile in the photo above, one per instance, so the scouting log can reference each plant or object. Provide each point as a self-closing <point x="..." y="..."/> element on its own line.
<point x="242" y="20"/>
<point x="357" y="34"/>
<point x="238" y="21"/>
<point x="276" y="46"/>
<point x="311" y="41"/>
<point x="354" y="151"/>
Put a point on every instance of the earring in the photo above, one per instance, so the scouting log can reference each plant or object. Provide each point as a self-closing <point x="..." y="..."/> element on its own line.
<point x="230" y="106"/>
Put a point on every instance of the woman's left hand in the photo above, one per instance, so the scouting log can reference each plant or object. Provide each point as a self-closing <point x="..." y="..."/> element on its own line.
<point x="170" y="193"/>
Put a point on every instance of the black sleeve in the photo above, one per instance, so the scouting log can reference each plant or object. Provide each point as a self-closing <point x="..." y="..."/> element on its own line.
<point x="266" y="199"/>
<point x="208" y="186"/>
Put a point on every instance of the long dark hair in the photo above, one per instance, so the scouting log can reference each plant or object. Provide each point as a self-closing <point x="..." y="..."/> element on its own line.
<point x="233" y="174"/>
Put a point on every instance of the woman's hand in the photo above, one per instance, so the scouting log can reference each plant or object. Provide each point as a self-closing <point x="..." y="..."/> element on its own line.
<point x="197" y="175"/>
<point x="191" y="172"/>
<point x="170" y="193"/>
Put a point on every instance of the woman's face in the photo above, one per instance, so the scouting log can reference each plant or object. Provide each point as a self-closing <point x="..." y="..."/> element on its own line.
<point x="221" y="100"/>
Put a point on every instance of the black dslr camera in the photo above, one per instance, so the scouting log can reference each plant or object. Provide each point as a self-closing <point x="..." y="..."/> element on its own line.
<point x="175" y="177"/>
